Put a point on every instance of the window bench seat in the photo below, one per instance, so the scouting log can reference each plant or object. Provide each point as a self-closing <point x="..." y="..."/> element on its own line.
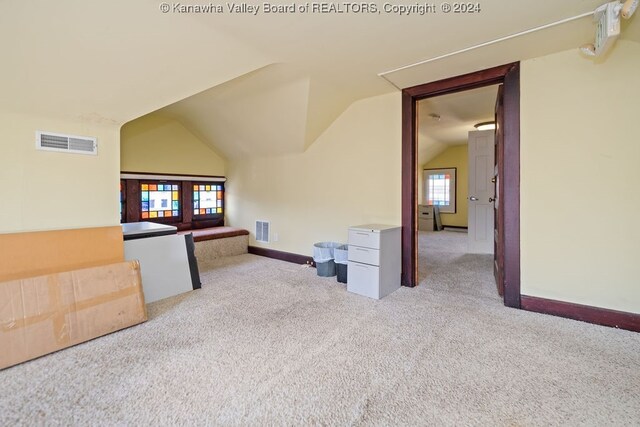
<point x="214" y="233"/>
<point x="217" y="242"/>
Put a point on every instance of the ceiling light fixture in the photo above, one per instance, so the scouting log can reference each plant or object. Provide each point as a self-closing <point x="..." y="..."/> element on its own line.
<point x="485" y="126"/>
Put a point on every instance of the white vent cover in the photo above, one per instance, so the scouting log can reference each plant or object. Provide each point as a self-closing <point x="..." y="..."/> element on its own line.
<point x="66" y="143"/>
<point x="262" y="231"/>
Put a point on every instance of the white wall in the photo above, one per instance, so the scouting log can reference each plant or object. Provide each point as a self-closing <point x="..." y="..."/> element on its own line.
<point x="455" y="156"/>
<point x="157" y="144"/>
<point x="43" y="190"/>
<point x="580" y="178"/>
<point x="349" y="176"/>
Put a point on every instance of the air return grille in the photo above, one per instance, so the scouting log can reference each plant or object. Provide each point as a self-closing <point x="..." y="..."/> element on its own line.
<point x="66" y="143"/>
<point x="262" y="231"/>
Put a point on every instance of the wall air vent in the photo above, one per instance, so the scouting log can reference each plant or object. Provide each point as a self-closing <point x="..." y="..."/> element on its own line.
<point x="262" y="231"/>
<point x="66" y="143"/>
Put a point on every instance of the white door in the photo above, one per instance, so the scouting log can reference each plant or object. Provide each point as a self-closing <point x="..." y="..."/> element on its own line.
<point x="481" y="188"/>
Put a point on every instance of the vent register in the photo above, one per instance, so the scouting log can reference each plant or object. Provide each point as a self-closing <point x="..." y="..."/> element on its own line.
<point x="262" y="231"/>
<point x="66" y="143"/>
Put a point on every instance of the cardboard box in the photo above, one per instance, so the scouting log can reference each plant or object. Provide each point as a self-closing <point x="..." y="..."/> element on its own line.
<point x="37" y="253"/>
<point x="40" y="315"/>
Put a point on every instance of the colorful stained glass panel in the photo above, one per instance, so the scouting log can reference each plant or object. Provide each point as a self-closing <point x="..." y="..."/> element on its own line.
<point x="159" y="200"/>
<point x="439" y="190"/>
<point x="207" y="199"/>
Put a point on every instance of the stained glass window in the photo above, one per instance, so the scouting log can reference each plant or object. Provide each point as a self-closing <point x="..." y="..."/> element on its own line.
<point x="440" y="188"/>
<point x="438" y="191"/>
<point x="159" y="200"/>
<point x="208" y="199"/>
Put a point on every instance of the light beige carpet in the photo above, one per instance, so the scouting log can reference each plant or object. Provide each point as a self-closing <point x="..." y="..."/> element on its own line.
<point x="270" y="343"/>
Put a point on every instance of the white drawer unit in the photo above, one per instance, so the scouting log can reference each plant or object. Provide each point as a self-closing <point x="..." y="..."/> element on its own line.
<point x="374" y="260"/>
<point x="425" y="218"/>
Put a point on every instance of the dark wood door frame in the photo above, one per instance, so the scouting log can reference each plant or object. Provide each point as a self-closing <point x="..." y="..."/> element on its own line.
<point x="509" y="76"/>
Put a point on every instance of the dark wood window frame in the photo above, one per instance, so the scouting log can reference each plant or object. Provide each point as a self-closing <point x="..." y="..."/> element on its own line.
<point x="509" y="76"/>
<point x="123" y="200"/>
<point x="186" y="220"/>
<point x="213" y="216"/>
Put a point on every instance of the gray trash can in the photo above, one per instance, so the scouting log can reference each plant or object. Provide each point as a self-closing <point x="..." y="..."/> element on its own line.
<point x="341" y="255"/>
<point x="323" y="257"/>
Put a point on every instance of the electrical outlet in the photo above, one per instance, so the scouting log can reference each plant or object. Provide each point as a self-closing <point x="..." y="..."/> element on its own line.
<point x="275" y="237"/>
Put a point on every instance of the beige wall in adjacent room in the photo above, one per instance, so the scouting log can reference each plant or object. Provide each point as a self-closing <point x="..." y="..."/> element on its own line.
<point x="44" y="190"/>
<point x="349" y="176"/>
<point x="580" y="157"/>
<point x="157" y="144"/>
<point x="453" y="157"/>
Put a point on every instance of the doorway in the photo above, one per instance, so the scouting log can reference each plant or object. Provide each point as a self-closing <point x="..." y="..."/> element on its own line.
<point x="507" y="231"/>
<point x="456" y="165"/>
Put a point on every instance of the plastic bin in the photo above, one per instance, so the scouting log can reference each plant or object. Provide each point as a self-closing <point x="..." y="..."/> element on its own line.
<point x="324" y="258"/>
<point x="326" y="269"/>
<point x="341" y="256"/>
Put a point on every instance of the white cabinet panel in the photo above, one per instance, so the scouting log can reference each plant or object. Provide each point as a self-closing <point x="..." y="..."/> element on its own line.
<point x="164" y="265"/>
<point x="363" y="279"/>
<point x="425" y="211"/>
<point x="425" y="224"/>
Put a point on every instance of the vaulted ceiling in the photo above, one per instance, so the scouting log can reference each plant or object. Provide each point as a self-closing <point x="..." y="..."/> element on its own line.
<point x="252" y="85"/>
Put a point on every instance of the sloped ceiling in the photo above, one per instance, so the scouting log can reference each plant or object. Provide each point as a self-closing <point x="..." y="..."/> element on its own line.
<point x="457" y="112"/>
<point x="236" y="114"/>
<point x="110" y="61"/>
<point x="269" y="83"/>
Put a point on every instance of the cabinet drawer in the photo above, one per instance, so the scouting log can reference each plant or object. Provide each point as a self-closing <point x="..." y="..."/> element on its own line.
<point x="364" y="255"/>
<point x="425" y="212"/>
<point x="363" y="279"/>
<point x="425" y="224"/>
<point x="365" y="239"/>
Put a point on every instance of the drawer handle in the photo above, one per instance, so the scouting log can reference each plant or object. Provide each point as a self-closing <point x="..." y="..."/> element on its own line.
<point x="362" y="250"/>
<point x="363" y="234"/>
<point x="360" y="265"/>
